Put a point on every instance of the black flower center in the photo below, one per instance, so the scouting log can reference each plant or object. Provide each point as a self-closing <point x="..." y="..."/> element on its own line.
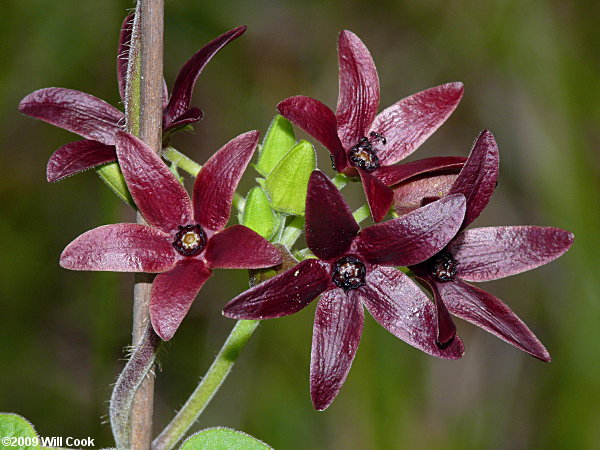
<point x="190" y="240"/>
<point x="349" y="273"/>
<point x="363" y="155"/>
<point x="443" y="266"/>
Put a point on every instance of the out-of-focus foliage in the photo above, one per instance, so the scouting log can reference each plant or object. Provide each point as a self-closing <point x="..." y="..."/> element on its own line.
<point x="531" y="74"/>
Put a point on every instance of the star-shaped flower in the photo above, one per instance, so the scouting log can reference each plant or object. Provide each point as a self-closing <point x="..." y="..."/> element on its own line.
<point x="98" y="122"/>
<point x="368" y="144"/>
<point x="350" y="272"/>
<point x="481" y="254"/>
<point x="185" y="239"/>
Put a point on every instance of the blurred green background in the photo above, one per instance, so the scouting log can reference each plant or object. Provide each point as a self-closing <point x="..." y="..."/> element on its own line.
<point x="531" y="74"/>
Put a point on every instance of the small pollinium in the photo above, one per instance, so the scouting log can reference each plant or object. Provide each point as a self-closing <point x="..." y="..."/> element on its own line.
<point x="443" y="266"/>
<point x="190" y="240"/>
<point x="363" y="155"/>
<point x="349" y="273"/>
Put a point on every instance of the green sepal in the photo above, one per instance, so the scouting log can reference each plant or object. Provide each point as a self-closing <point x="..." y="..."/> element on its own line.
<point x="221" y="438"/>
<point x="15" y="426"/>
<point x="111" y="174"/>
<point x="287" y="184"/>
<point x="258" y="214"/>
<point x="278" y="141"/>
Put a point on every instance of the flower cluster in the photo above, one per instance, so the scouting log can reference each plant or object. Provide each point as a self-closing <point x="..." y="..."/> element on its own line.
<point x="368" y="144"/>
<point x="185" y="239"/>
<point x="348" y="268"/>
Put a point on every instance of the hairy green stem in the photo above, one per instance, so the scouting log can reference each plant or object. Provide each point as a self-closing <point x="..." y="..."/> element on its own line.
<point x="207" y="388"/>
<point x="132" y="376"/>
<point x="182" y="161"/>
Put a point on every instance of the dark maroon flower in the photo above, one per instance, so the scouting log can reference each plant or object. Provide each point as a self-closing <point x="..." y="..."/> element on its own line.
<point x="350" y="273"/>
<point x="185" y="239"/>
<point x="481" y="254"/>
<point x="98" y="122"/>
<point x="368" y="144"/>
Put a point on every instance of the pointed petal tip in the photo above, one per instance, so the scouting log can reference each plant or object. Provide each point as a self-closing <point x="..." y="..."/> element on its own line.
<point x="569" y="238"/>
<point x="164" y="334"/>
<point x="452" y="350"/>
<point x="320" y="404"/>
<point x="253" y="133"/>
<point x="240" y="30"/>
<point x="544" y="356"/>
<point x="458" y="86"/>
<point x="454" y="89"/>
<point x="348" y="35"/>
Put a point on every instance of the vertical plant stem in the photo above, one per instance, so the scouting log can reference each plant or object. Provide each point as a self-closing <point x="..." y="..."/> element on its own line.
<point x="207" y="388"/>
<point x="144" y="118"/>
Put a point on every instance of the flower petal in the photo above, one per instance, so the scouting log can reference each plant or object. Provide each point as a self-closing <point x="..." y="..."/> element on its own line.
<point x="238" y="247"/>
<point x="359" y="90"/>
<point x="413" y="237"/>
<point x="282" y="295"/>
<point x="75" y="111"/>
<point x="488" y="312"/>
<point x="183" y="88"/>
<point x="173" y="293"/>
<point x="161" y="199"/>
<point x="317" y="120"/>
<point x="77" y="157"/>
<point x="191" y="116"/>
<point x="123" y="54"/>
<point x="421" y="191"/>
<point x="218" y="179"/>
<point x="409" y="122"/>
<point x="330" y="226"/>
<point x="496" y="252"/>
<point x="391" y="175"/>
<point x="121" y="247"/>
<point x="337" y="330"/>
<point x="446" y="330"/>
<point x="379" y="196"/>
<point x="477" y="179"/>
<point x="405" y="311"/>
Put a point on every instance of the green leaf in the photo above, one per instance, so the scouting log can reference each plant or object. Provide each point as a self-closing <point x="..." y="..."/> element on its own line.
<point x="286" y="185"/>
<point x="112" y="176"/>
<point x="278" y="141"/>
<point x="258" y="214"/>
<point x="221" y="438"/>
<point x="15" y="426"/>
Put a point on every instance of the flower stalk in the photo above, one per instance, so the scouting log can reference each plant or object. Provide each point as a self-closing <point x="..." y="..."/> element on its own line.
<point x="209" y="385"/>
<point x="182" y="161"/>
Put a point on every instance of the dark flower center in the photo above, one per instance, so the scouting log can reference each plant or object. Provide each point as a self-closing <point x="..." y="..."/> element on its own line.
<point x="349" y="273"/>
<point x="190" y="240"/>
<point x="363" y="155"/>
<point x="443" y="266"/>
